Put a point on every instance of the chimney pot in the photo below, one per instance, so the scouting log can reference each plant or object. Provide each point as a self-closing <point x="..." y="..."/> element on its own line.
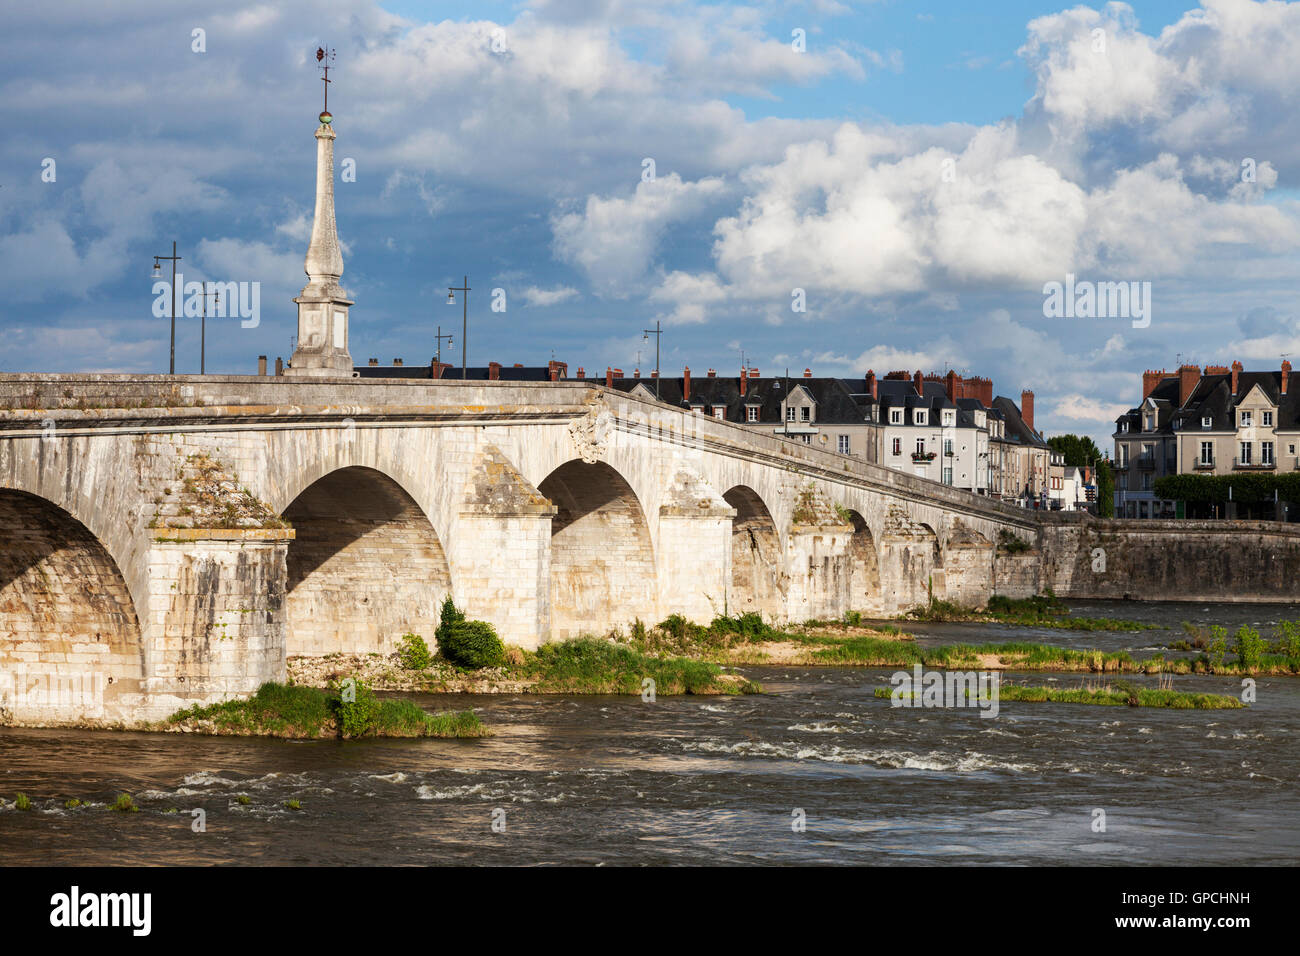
<point x="807" y="373"/>
<point x="397" y="362"/>
<point x="713" y="373"/>
<point x="582" y="372"/>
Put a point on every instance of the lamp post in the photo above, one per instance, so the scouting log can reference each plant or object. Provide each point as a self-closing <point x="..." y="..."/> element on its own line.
<point x="157" y="274"/>
<point x="203" y="327"/>
<point x="438" y="338"/>
<point x="657" y="332"/>
<point x="464" y="328"/>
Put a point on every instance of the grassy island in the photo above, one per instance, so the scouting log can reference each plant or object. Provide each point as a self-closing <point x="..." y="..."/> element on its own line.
<point x="1042" y="610"/>
<point x="346" y="711"/>
<point x="1116" y="694"/>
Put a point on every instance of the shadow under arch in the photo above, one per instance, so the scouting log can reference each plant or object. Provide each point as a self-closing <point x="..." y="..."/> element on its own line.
<point x="602" y="560"/>
<point x="756" y="578"/>
<point x="62" y="593"/>
<point x="864" y="568"/>
<point x="364" y="568"/>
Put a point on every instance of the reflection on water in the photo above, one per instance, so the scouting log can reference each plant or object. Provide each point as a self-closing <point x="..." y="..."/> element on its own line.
<point x="705" y="780"/>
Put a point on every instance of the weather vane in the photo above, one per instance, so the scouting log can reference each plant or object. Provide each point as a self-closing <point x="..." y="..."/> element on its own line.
<point x="323" y="59"/>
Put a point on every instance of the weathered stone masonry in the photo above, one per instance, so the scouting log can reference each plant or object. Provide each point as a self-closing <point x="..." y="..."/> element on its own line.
<point x="183" y="535"/>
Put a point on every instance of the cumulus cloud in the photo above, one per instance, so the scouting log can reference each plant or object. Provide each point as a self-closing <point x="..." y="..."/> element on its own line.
<point x="534" y="295"/>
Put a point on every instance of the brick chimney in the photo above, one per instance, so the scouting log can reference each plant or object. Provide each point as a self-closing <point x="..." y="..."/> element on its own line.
<point x="609" y="377"/>
<point x="618" y="373"/>
<point x="1188" y="376"/>
<point x="261" y="369"/>
<point x="1216" y="370"/>
<point x="1236" y="374"/>
<point x="1027" y="408"/>
<point x="374" y="362"/>
<point x="438" y="369"/>
<point x="397" y="363"/>
<point x="950" y="383"/>
<point x="807" y="373"/>
<point x="754" y="373"/>
<point x="1150" y="379"/>
<point x="713" y="373"/>
<point x="744" y="380"/>
<point x="279" y="365"/>
<point x="873" y="389"/>
<point x="582" y="372"/>
<point x="494" y="371"/>
<point x="636" y="373"/>
<point x="518" y="365"/>
<point x="686" y="384"/>
<point x="1286" y="373"/>
<point x="557" y="370"/>
<point x="918" y="382"/>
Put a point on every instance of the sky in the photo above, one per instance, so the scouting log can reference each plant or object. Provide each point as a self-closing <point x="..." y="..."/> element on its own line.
<point x="914" y="174"/>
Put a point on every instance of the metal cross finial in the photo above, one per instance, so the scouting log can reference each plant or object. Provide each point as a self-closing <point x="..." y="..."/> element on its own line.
<point x="324" y="57"/>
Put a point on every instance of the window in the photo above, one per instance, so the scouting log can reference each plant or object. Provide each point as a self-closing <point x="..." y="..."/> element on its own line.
<point x="719" y="411"/>
<point x="947" y="418"/>
<point x="751" y="413"/>
<point x="697" y="409"/>
<point x="898" y="446"/>
<point x="919" y="417"/>
<point x="1207" y="453"/>
<point x="1207" y="422"/>
<point x="844" y="445"/>
<point x="947" y="447"/>
<point x="1244" y="457"/>
<point x="1123" y="426"/>
<point x="1146" y="481"/>
<point x="1290" y="449"/>
<point x="895" y="416"/>
<point x="920" y="446"/>
<point x="789" y="413"/>
<point x="807" y="439"/>
<point x="1266" y="418"/>
<point x="1123" y="456"/>
<point x="805" y="414"/>
<point x="947" y="476"/>
<point x="1266" y="453"/>
<point x="1245" y="419"/>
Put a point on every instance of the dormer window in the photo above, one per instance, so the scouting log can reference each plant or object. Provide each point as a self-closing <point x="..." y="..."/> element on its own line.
<point x="919" y="417"/>
<point x="1207" y="422"/>
<point x="719" y="411"/>
<point x="1123" y="426"/>
<point x="895" y="416"/>
<point x="751" y="413"/>
<point x="948" y="418"/>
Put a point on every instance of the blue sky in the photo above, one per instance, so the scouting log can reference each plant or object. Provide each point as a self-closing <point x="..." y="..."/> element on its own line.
<point x="919" y="170"/>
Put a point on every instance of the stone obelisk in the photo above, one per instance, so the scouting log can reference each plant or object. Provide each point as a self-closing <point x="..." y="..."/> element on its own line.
<point x="322" y="350"/>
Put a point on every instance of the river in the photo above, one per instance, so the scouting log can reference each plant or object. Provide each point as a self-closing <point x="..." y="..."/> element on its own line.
<point x="707" y="780"/>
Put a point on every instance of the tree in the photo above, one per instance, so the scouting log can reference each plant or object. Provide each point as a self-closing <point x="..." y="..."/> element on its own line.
<point x="1080" y="451"/>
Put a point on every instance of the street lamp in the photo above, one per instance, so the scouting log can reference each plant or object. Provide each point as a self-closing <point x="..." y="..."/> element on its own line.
<point x="438" y="338"/>
<point x="645" y="337"/>
<point x="203" y="327"/>
<point x="157" y="274"/>
<point x="464" y="328"/>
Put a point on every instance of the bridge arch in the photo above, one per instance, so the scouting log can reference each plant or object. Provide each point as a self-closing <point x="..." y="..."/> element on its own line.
<point x="365" y="566"/>
<point x="756" y="558"/>
<point x="602" y="558"/>
<point x="864" y="567"/>
<point x="70" y="636"/>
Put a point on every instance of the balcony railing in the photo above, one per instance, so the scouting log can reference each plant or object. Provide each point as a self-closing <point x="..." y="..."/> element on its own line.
<point x="922" y="456"/>
<point x="1201" y="465"/>
<point x="1146" y="462"/>
<point x="1240" y="465"/>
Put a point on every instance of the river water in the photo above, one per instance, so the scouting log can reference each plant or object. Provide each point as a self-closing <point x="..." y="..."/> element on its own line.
<point x="707" y="780"/>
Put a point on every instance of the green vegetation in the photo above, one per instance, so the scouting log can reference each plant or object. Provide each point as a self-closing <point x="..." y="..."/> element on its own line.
<point x="125" y="804"/>
<point x="72" y="804"/>
<point x="1012" y="543"/>
<point x="472" y="645"/>
<point x="21" y="802"/>
<point x="414" y="653"/>
<point x="591" y="665"/>
<point x="348" y="709"/>
<point x="1117" y="694"/>
<point x="1253" y="653"/>
<point x="292" y="805"/>
<point x="1041" y="610"/>
<point x="243" y="800"/>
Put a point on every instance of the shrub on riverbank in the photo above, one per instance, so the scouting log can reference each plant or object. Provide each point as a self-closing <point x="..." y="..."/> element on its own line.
<point x="472" y="645"/>
<point x="280" y="710"/>
<point x="413" y="652"/>
<point x="1041" y="610"/>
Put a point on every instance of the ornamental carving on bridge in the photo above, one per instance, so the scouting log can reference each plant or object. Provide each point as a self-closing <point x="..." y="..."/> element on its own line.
<point x="590" y="434"/>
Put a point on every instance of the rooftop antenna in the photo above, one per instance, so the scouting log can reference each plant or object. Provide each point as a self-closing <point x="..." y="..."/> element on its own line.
<point x="325" y="57"/>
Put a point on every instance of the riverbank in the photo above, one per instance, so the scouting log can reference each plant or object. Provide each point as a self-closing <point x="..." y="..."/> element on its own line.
<point x="1042" y="611"/>
<point x="1117" y="694"/>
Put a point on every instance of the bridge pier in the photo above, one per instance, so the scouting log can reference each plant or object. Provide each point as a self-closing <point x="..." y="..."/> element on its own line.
<point x="694" y="552"/>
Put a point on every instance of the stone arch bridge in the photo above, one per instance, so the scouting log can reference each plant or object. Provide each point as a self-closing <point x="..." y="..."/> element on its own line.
<point x="172" y="539"/>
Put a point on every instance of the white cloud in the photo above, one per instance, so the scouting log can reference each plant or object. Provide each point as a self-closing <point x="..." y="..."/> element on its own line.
<point x="544" y="297"/>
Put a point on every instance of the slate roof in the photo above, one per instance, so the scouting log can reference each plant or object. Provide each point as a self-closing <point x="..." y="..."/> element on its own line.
<point x="1212" y="398"/>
